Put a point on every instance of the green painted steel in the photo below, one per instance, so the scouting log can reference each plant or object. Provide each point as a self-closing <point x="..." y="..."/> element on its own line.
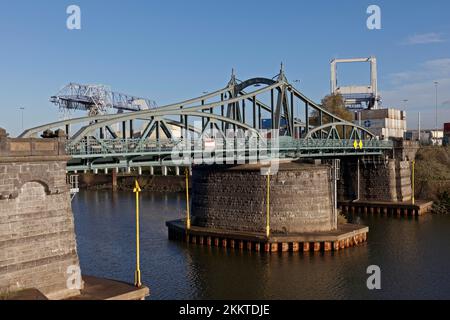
<point x="129" y="153"/>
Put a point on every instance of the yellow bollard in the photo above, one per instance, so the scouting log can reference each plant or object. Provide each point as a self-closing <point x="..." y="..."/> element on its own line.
<point x="188" y="214"/>
<point x="137" y="274"/>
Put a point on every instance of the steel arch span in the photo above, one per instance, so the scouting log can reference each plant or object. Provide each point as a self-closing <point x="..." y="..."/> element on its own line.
<point x="242" y="107"/>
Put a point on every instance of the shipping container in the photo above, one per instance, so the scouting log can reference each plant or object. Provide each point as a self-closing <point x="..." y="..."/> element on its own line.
<point x="447" y="128"/>
<point x="381" y="114"/>
<point x="267" y="123"/>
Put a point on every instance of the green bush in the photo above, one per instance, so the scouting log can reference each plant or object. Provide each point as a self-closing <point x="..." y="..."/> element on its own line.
<point x="442" y="205"/>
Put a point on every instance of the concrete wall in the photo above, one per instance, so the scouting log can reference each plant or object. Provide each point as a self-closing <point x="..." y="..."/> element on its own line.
<point x="37" y="238"/>
<point x="235" y="198"/>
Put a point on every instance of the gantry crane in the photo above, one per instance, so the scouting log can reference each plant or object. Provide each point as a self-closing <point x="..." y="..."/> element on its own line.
<point x="97" y="99"/>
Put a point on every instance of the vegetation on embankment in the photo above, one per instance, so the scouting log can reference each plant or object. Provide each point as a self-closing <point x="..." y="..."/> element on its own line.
<point x="433" y="177"/>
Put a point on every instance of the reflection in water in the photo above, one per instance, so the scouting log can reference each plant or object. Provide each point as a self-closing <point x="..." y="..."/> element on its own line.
<point x="413" y="254"/>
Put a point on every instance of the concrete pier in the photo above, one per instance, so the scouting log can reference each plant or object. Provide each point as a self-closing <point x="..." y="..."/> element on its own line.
<point x="105" y="289"/>
<point x="94" y="289"/>
<point x="345" y="236"/>
<point x="114" y="179"/>
<point x="230" y="206"/>
<point x="383" y="208"/>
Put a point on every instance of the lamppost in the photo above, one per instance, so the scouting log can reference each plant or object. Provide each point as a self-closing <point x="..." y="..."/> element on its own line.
<point x="405" y="102"/>
<point x="418" y="125"/>
<point x="22" y="109"/>
<point x="297" y="81"/>
<point x="436" y="83"/>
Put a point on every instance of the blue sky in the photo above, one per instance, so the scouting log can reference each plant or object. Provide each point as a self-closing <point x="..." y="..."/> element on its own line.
<point x="171" y="50"/>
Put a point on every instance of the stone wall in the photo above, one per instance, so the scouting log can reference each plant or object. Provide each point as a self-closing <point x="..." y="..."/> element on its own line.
<point x="405" y="150"/>
<point x="234" y="198"/>
<point x="37" y="238"/>
<point x="379" y="181"/>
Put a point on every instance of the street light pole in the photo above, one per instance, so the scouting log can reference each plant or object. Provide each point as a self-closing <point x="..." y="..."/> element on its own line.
<point x="297" y="81"/>
<point x="405" y="101"/>
<point x="436" y="126"/>
<point x="418" y="123"/>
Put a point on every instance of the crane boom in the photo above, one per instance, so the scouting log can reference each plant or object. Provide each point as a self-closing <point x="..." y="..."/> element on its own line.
<point x="97" y="99"/>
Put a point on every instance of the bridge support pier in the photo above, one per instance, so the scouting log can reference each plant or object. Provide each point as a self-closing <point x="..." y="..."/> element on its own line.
<point x="114" y="179"/>
<point x="164" y="170"/>
<point x="378" y="179"/>
<point x="381" y="186"/>
<point x="227" y="202"/>
<point x="35" y="218"/>
<point x="221" y="197"/>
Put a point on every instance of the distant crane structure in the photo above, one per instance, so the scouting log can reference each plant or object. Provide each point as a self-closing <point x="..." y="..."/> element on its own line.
<point x="357" y="97"/>
<point x="98" y="99"/>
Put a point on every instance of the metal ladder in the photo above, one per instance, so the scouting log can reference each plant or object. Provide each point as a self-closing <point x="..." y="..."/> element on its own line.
<point x="74" y="188"/>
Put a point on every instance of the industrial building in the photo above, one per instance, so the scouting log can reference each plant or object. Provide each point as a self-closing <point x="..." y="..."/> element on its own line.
<point x="385" y="123"/>
<point x="427" y="137"/>
<point x="446" y="140"/>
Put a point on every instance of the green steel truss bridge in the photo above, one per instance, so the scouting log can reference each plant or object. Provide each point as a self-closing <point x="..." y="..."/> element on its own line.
<point x="254" y="120"/>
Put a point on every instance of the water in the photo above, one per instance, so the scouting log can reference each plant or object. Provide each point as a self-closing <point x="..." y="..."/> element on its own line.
<point x="413" y="254"/>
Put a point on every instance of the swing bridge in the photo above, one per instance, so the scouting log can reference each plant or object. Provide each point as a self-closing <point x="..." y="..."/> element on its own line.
<point x="252" y="120"/>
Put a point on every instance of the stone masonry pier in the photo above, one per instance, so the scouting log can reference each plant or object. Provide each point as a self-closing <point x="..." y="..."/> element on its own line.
<point x="383" y="185"/>
<point x="37" y="237"/>
<point x="229" y="210"/>
<point x="235" y="198"/>
<point x="38" y="252"/>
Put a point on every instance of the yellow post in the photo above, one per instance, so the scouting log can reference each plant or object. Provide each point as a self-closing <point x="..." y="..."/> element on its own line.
<point x="137" y="274"/>
<point x="188" y="214"/>
<point x="413" y="182"/>
<point x="268" y="205"/>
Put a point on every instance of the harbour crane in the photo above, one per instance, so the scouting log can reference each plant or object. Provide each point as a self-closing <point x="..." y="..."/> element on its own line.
<point x="98" y="99"/>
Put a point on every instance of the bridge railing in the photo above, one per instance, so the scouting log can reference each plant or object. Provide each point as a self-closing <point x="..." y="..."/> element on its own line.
<point x="118" y="146"/>
<point x="104" y="147"/>
<point x="333" y="144"/>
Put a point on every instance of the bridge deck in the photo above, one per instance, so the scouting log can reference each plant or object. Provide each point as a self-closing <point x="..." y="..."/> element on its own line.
<point x="108" y="154"/>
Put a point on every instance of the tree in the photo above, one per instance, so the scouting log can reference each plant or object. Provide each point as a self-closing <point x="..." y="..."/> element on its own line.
<point x="333" y="103"/>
